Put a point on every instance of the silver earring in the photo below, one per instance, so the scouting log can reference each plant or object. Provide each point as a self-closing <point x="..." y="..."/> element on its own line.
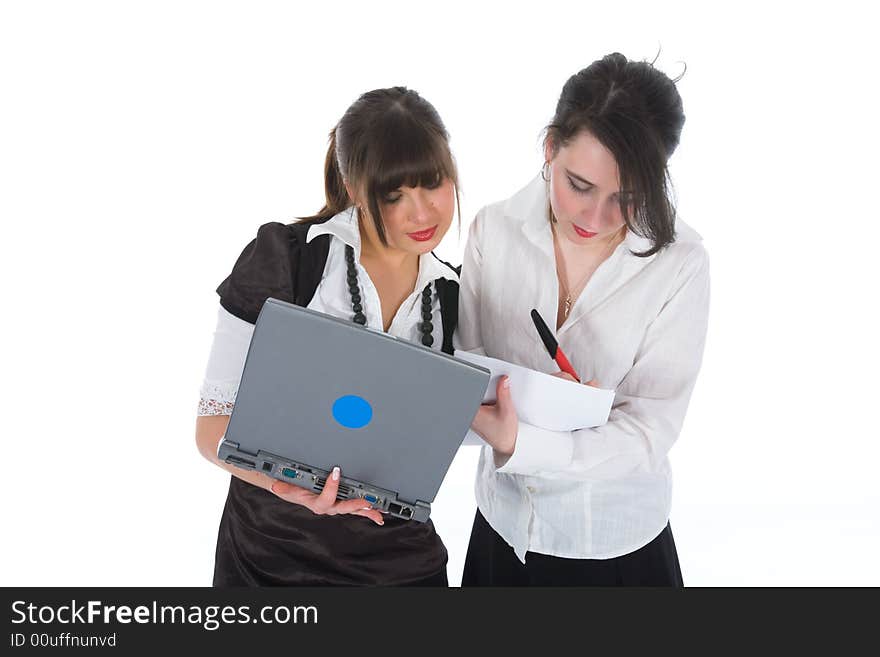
<point x="545" y="171"/>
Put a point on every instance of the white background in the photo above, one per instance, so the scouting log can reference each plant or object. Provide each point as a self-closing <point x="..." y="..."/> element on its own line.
<point x="141" y="144"/>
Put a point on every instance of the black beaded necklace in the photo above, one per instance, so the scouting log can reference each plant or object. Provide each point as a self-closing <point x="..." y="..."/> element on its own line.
<point x="426" y="326"/>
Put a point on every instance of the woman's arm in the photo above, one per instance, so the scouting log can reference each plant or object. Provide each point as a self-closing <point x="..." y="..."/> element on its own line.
<point x="650" y="403"/>
<point x="467" y="334"/>
<point x="209" y="431"/>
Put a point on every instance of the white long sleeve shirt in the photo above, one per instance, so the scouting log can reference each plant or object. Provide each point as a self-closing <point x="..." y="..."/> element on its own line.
<point x="638" y="327"/>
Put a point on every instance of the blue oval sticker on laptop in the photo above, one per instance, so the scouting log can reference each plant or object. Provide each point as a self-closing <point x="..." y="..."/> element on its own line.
<point x="352" y="411"/>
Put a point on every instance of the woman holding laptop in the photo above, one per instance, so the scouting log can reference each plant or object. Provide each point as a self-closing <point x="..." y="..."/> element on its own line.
<point x="593" y="245"/>
<point x="391" y="191"/>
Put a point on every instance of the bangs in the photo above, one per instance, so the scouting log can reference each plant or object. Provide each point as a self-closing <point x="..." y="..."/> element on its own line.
<point x="406" y="153"/>
<point x="400" y="149"/>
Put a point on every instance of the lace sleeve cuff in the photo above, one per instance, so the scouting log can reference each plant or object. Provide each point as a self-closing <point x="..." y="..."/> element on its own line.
<point x="214" y="407"/>
<point x="216" y="399"/>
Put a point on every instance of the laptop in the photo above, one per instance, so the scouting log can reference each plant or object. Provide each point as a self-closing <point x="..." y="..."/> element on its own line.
<point x="318" y="391"/>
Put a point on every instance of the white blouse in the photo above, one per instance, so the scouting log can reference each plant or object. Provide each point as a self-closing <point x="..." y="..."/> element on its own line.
<point x="232" y="335"/>
<point x="638" y="327"/>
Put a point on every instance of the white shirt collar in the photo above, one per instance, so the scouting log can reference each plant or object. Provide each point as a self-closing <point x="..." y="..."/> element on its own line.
<point x="344" y="226"/>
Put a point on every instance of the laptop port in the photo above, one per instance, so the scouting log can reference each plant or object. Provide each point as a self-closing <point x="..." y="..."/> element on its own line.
<point x="267" y="466"/>
<point x="237" y="460"/>
<point x="402" y="511"/>
<point x="372" y="499"/>
<point x="288" y="472"/>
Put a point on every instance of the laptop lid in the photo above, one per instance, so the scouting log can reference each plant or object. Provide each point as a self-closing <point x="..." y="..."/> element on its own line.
<point x="324" y="391"/>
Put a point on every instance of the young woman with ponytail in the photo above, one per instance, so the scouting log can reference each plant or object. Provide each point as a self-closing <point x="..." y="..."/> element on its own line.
<point x="391" y="191"/>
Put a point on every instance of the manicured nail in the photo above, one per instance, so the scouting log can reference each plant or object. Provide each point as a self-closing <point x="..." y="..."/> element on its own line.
<point x="336" y="474"/>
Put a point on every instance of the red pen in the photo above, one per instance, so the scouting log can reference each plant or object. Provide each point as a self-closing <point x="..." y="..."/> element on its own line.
<point x="552" y="345"/>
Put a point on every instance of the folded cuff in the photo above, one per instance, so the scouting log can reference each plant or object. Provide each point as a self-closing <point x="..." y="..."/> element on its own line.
<point x="537" y="450"/>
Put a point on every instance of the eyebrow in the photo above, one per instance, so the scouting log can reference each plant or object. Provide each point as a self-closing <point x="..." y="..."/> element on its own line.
<point x="619" y="192"/>
<point x="583" y="180"/>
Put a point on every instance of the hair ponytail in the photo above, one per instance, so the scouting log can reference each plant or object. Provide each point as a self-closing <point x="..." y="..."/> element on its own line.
<point x="335" y="195"/>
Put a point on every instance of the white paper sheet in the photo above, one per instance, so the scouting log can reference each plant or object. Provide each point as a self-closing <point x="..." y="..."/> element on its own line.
<point x="544" y="400"/>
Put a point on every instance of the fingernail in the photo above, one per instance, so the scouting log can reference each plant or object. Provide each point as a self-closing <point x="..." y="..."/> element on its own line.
<point x="336" y="474"/>
<point x="506" y="383"/>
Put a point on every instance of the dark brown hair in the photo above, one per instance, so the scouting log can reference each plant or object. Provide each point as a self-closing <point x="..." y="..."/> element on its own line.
<point x="636" y="112"/>
<point x="386" y="139"/>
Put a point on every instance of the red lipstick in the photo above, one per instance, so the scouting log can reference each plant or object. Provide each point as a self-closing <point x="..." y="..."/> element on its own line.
<point x="423" y="235"/>
<point x="583" y="233"/>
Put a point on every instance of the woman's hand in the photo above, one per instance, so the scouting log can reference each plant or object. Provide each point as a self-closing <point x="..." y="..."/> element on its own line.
<point x="497" y="423"/>
<point x="325" y="503"/>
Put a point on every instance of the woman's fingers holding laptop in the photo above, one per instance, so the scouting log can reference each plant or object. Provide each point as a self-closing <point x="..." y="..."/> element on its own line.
<point x="369" y="512"/>
<point x="295" y="494"/>
<point x="325" y="503"/>
<point x="328" y="505"/>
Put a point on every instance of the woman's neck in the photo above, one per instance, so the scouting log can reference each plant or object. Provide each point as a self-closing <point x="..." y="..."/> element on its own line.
<point x="387" y="257"/>
<point x="393" y="272"/>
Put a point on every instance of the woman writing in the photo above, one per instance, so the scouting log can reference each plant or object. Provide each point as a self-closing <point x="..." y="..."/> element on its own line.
<point x="593" y="244"/>
<point x="391" y="192"/>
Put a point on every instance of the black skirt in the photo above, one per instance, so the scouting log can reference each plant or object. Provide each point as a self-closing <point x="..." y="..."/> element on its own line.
<point x="265" y="541"/>
<point x="491" y="561"/>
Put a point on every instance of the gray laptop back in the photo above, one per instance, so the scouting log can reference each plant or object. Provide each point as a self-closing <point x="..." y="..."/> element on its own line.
<point x="310" y="382"/>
